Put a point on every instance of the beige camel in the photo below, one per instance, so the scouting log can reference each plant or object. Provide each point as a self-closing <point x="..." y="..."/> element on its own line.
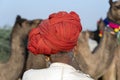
<point x="12" y="69"/>
<point x="113" y="15"/>
<point x="95" y="63"/>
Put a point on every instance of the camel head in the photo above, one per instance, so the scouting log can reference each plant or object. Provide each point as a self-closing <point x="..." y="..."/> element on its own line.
<point x="114" y="11"/>
<point x="22" y="26"/>
<point x="21" y="29"/>
<point x="113" y="19"/>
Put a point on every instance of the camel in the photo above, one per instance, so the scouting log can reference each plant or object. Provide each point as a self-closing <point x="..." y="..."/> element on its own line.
<point x="12" y="69"/>
<point x="113" y="73"/>
<point x="95" y="63"/>
<point x="113" y="16"/>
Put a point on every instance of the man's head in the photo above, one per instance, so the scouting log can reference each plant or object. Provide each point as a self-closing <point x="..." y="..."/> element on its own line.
<point x="64" y="57"/>
<point x="58" y="33"/>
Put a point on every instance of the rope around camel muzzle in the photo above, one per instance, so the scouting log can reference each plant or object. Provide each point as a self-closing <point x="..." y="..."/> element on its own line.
<point x="112" y="31"/>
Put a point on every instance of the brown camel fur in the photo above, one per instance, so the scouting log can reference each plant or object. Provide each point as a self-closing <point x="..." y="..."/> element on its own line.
<point x="113" y="73"/>
<point x="97" y="62"/>
<point x="12" y="69"/>
<point x="36" y="61"/>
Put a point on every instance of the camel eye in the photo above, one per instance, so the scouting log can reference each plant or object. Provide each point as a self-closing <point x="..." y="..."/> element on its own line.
<point x="117" y="7"/>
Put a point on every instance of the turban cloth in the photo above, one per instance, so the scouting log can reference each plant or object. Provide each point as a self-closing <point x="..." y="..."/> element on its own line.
<point x="58" y="33"/>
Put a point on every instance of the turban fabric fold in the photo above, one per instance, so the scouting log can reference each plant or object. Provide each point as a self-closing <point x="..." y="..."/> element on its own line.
<point x="57" y="33"/>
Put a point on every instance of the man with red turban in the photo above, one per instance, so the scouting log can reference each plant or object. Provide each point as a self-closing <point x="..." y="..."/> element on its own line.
<point x="56" y="37"/>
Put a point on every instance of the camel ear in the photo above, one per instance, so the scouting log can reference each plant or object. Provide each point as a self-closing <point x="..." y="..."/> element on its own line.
<point x="19" y="20"/>
<point x="18" y="17"/>
<point x="101" y="24"/>
<point x="110" y="2"/>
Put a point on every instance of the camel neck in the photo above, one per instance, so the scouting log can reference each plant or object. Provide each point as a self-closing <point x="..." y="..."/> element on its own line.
<point x="17" y="50"/>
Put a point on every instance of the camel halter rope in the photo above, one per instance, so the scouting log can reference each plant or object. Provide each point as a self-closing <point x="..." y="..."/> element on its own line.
<point x="115" y="28"/>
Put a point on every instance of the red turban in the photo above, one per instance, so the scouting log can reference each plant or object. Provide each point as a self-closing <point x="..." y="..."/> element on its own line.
<point x="57" y="33"/>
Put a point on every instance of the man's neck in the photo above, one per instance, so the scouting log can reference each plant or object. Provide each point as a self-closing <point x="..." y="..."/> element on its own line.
<point x="62" y="57"/>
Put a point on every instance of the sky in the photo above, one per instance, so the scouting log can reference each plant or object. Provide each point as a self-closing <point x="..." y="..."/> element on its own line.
<point x="90" y="11"/>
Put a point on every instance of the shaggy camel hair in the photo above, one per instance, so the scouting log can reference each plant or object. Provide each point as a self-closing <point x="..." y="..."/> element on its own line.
<point x="12" y="69"/>
<point x="113" y="73"/>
